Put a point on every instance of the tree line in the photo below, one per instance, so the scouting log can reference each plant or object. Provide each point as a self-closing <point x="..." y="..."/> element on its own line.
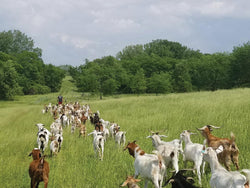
<point x="162" y="66"/>
<point x="22" y="70"/>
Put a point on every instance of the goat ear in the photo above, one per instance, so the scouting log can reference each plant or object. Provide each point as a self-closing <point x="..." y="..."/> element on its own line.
<point x="137" y="180"/>
<point x="134" y="141"/>
<point x="124" y="183"/>
<point x="149" y="137"/>
<point x="171" y="181"/>
<point x="30" y="154"/>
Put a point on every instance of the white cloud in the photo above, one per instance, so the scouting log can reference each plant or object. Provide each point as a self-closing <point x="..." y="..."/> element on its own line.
<point x="92" y="29"/>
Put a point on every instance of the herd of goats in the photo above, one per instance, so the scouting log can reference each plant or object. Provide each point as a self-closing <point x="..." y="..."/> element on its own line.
<point x="218" y="152"/>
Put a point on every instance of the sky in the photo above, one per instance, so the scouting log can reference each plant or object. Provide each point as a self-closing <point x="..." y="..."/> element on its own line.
<point x="70" y="31"/>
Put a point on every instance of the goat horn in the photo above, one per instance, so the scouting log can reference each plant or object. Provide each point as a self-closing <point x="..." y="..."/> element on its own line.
<point x="152" y="132"/>
<point x="190" y="178"/>
<point x="214" y="127"/>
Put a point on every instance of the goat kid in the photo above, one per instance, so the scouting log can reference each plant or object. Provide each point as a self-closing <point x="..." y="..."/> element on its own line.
<point x="131" y="182"/>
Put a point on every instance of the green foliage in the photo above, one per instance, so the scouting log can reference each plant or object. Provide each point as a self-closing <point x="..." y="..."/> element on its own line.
<point x="159" y="83"/>
<point x="138" y="82"/>
<point x="26" y="71"/>
<point x="8" y="81"/>
<point x="241" y="65"/>
<point x="53" y="77"/>
<point x="163" y="66"/>
<point x="14" y="42"/>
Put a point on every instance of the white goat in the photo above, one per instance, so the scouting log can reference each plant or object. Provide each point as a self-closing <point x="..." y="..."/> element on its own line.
<point x="98" y="143"/>
<point x="193" y="152"/>
<point x="42" y="140"/>
<point x="168" y="151"/>
<point x="149" y="166"/>
<point x="105" y="133"/>
<point x="112" y="129"/>
<point x="105" y="124"/>
<point x="59" y="139"/>
<point x="120" y="138"/>
<point x="64" y="120"/>
<point x="221" y="178"/>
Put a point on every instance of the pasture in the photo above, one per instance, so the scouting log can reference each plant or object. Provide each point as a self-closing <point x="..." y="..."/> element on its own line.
<point x="76" y="165"/>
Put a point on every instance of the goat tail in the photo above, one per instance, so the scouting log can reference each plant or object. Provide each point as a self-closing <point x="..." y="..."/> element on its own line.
<point x="41" y="163"/>
<point x="160" y="159"/>
<point x="232" y="137"/>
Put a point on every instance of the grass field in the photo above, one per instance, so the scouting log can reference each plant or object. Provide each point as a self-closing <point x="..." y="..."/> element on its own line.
<point x="76" y="166"/>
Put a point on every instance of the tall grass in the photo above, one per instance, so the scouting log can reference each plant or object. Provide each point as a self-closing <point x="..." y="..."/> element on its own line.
<point x="76" y="165"/>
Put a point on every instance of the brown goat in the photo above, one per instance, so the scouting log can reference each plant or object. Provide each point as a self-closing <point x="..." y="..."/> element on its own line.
<point x="230" y="149"/>
<point x="38" y="169"/>
<point x="84" y="118"/>
<point x="82" y="131"/>
<point x="131" y="182"/>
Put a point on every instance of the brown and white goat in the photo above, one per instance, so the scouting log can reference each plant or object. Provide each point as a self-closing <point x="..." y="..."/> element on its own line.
<point x="38" y="169"/>
<point x="82" y="131"/>
<point x="230" y="149"/>
<point x="131" y="182"/>
<point x="148" y="166"/>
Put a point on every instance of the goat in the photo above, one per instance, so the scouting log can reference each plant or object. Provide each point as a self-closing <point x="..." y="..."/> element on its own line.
<point x="149" y="166"/>
<point x="178" y="180"/>
<point x="54" y="147"/>
<point x="131" y="182"/>
<point x="42" y="140"/>
<point x="82" y="131"/>
<point x="168" y="151"/>
<point x="64" y="120"/>
<point x="247" y="174"/>
<point x="221" y="178"/>
<point x="112" y="129"/>
<point x="106" y="124"/>
<point x="98" y="143"/>
<point x="99" y="126"/>
<point x="230" y="149"/>
<point x="177" y="143"/>
<point x="38" y="169"/>
<point x="120" y="136"/>
<point x="193" y="152"/>
<point x="59" y="139"/>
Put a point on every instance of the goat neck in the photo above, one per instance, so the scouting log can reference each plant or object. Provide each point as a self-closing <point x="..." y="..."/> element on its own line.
<point x="186" y="138"/>
<point x="134" y="149"/>
<point x="211" y="157"/>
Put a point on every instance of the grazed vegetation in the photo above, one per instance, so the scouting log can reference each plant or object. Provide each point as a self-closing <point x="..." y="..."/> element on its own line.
<point x="76" y="166"/>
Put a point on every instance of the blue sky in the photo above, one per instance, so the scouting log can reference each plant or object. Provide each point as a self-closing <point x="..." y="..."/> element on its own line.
<point x="70" y="31"/>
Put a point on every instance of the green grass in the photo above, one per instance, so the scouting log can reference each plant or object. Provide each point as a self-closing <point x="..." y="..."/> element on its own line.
<point x="76" y="165"/>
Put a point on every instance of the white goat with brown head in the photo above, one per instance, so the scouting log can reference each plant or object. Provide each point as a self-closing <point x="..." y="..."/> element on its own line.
<point x="149" y="166"/>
